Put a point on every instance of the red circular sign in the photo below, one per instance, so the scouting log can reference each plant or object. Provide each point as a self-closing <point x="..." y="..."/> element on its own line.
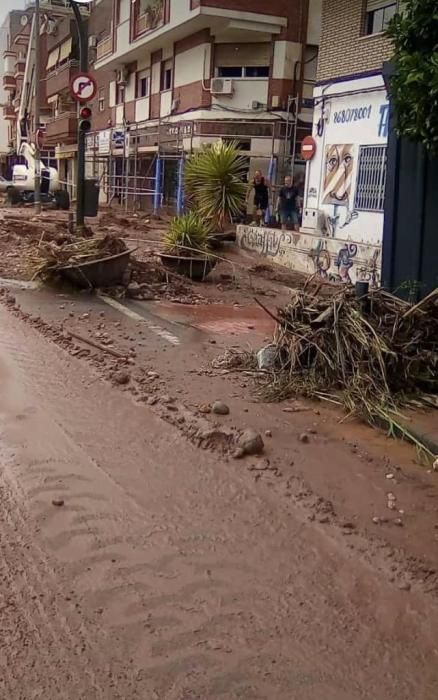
<point x="83" y="87"/>
<point x="308" y="148"/>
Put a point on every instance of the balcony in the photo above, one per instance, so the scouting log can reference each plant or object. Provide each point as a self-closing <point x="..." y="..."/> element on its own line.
<point x="58" y="79"/>
<point x="61" y="129"/>
<point x="151" y="19"/>
<point x="156" y="23"/>
<point x="56" y="6"/>
<point x="20" y="66"/>
<point x="8" y="112"/>
<point x="104" y="47"/>
<point x="9" y="82"/>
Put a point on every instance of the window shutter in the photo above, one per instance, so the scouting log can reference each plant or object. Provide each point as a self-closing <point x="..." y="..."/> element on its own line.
<point x="227" y="55"/>
<point x="378" y="4"/>
<point x="52" y="58"/>
<point x="65" y="50"/>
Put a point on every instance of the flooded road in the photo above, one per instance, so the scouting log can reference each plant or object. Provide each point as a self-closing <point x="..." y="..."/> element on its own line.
<point x="167" y="574"/>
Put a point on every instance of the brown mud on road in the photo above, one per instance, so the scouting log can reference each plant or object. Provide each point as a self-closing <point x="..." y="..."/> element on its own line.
<point x="171" y="572"/>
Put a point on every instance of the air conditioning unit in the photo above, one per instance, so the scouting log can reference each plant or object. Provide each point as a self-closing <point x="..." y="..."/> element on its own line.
<point x="122" y="76"/>
<point x="221" y="86"/>
<point x="92" y="42"/>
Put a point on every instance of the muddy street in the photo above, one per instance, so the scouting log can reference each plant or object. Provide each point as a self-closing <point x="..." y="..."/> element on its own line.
<point x="136" y="565"/>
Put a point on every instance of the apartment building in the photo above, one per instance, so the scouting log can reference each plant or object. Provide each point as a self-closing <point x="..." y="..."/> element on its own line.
<point x="19" y="76"/>
<point x="345" y="184"/>
<point x="176" y="74"/>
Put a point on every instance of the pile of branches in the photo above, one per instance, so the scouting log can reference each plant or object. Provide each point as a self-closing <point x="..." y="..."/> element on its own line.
<point x="51" y="256"/>
<point x="372" y="355"/>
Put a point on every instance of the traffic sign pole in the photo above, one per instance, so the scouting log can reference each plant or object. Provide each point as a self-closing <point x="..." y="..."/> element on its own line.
<point x="80" y="182"/>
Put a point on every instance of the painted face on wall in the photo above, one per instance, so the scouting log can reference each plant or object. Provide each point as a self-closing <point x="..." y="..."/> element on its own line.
<point x="338" y="173"/>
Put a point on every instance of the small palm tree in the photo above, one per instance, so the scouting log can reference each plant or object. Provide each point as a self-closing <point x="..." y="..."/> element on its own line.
<point x="187" y="234"/>
<point x="214" y="183"/>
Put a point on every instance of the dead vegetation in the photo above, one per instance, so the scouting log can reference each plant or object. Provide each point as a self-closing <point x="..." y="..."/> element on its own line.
<point x="372" y="356"/>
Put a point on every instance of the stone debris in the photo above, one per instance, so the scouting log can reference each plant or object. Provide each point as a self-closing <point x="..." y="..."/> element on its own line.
<point x="121" y="377"/>
<point x="251" y="442"/>
<point x="220" y="408"/>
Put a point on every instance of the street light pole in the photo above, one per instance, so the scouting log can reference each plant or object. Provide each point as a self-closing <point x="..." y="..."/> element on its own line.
<point x="80" y="182"/>
<point x="37" y="109"/>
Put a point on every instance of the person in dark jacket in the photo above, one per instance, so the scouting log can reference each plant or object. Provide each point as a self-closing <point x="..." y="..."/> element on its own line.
<point x="261" y="196"/>
<point x="288" y="205"/>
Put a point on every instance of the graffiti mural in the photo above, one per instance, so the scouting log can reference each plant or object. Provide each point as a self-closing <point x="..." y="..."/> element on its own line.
<point x="334" y="260"/>
<point x="370" y="271"/>
<point x="267" y="242"/>
<point x="338" y="174"/>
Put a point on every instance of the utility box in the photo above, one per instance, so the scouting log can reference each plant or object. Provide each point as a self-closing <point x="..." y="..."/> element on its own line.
<point x="91" y="197"/>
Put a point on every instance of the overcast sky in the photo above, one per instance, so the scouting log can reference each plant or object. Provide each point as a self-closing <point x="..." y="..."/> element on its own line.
<point x="6" y="5"/>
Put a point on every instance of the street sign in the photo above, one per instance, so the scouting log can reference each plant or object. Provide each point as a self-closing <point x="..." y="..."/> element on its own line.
<point x="83" y="87"/>
<point x="308" y="148"/>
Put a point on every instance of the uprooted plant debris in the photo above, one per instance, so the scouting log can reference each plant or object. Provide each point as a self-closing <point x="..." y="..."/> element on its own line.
<point x="51" y="256"/>
<point x="372" y="356"/>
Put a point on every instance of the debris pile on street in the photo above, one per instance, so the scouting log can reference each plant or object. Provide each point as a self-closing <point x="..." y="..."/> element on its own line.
<point x="371" y="355"/>
<point x="51" y="256"/>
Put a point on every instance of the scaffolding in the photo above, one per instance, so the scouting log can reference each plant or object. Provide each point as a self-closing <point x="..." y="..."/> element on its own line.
<point x="140" y="166"/>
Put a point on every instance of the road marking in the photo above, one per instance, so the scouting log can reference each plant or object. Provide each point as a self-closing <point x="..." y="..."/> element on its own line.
<point x="158" y="330"/>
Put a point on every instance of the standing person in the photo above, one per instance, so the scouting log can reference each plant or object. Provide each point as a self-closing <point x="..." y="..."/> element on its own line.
<point x="288" y="204"/>
<point x="261" y="196"/>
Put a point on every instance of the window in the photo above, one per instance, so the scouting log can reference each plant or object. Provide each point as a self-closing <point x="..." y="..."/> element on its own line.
<point x="256" y="72"/>
<point x="120" y="94"/>
<point x="142" y="84"/>
<point x="243" y="72"/>
<point x="378" y="15"/>
<point x="101" y="100"/>
<point x="229" y="72"/>
<point x="166" y="74"/>
<point x="371" y="178"/>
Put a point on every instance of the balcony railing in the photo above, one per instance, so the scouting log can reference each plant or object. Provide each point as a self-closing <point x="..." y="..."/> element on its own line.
<point x="9" y="82"/>
<point x="62" y="129"/>
<point x="104" y="47"/>
<point x="56" y="4"/>
<point x="152" y="18"/>
<point x="58" y="79"/>
<point x="8" y="112"/>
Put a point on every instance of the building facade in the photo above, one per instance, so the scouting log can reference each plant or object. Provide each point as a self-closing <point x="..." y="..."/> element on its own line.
<point x="342" y="227"/>
<point x="176" y="74"/>
<point x="345" y="184"/>
<point x="172" y="75"/>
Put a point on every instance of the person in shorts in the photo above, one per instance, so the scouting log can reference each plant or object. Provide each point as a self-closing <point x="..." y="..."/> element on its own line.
<point x="288" y="205"/>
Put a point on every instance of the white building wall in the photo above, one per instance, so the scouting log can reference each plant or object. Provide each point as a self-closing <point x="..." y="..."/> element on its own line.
<point x="246" y="91"/>
<point x="179" y="11"/>
<point x="314" y="22"/>
<point x="337" y="240"/>
<point x="142" y="109"/>
<point x="166" y="103"/>
<point x="192" y="65"/>
<point x="355" y="114"/>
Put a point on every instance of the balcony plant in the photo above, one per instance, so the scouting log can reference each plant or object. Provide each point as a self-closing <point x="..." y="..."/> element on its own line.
<point x="186" y="247"/>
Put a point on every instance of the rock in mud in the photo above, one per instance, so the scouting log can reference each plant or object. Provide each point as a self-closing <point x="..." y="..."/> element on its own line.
<point x="251" y="442"/>
<point x="304" y="438"/>
<point x="220" y="408"/>
<point x="267" y="357"/>
<point x="58" y="502"/>
<point x="121" y="377"/>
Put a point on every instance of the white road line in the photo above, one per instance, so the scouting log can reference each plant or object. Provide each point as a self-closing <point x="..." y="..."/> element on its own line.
<point x="158" y="330"/>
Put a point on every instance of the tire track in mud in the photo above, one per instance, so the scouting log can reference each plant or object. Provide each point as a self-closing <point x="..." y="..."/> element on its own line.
<point x="203" y="590"/>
